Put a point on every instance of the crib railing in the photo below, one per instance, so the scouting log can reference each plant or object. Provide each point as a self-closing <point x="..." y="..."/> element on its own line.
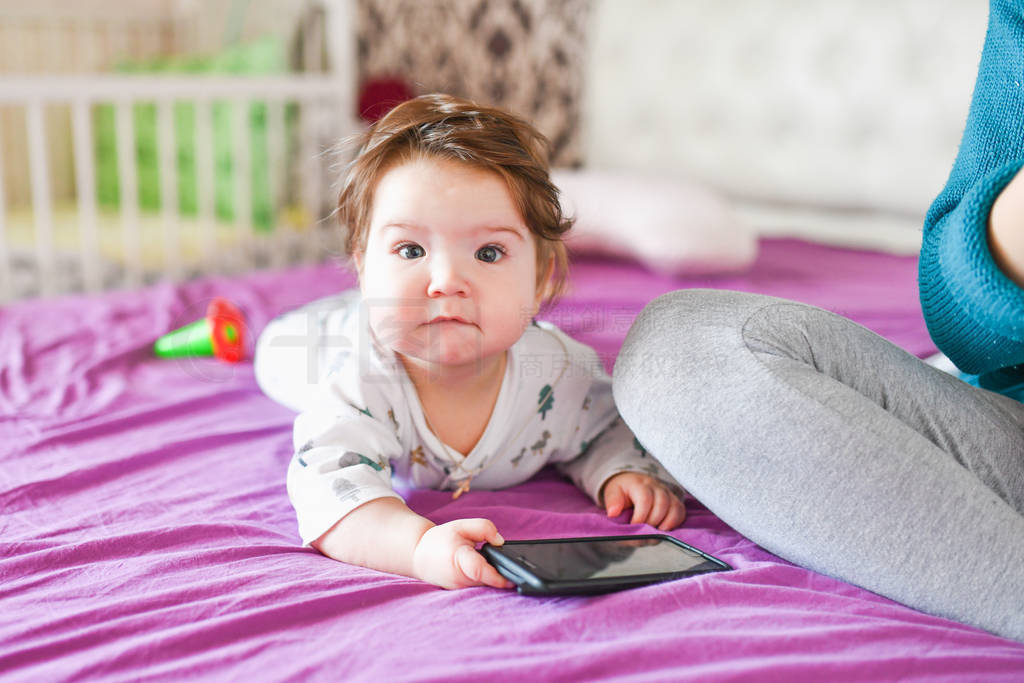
<point x="48" y="248"/>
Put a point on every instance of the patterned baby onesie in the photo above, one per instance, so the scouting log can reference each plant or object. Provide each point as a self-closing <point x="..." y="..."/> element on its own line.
<point x="364" y="424"/>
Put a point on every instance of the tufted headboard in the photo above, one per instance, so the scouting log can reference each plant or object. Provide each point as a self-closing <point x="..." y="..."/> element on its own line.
<point x="837" y="119"/>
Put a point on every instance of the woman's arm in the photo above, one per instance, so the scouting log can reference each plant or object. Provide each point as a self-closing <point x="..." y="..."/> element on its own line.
<point x="1006" y="230"/>
<point x="971" y="266"/>
<point x="384" y="534"/>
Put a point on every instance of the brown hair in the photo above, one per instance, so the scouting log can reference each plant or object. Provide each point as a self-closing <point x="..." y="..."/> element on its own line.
<point x="451" y="128"/>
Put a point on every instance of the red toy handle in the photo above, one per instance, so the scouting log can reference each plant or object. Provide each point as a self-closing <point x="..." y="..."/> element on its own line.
<point x="227" y="325"/>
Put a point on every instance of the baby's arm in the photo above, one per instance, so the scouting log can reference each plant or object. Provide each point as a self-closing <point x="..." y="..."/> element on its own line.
<point x="384" y="534"/>
<point x="618" y="473"/>
<point x="339" y="482"/>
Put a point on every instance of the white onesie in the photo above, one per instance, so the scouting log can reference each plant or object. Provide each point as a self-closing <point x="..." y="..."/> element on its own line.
<point x="363" y="423"/>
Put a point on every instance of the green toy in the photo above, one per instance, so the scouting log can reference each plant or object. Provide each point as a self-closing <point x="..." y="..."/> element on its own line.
<point x="220" y="334"/>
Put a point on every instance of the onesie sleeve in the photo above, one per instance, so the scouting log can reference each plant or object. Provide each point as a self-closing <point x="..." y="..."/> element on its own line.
<point x="606" y="446"/>
<point x="343" y="451"/>
<point x="974" y="313"/>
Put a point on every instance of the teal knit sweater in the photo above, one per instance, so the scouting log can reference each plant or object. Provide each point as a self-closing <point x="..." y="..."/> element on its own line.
<point x="974" y="312"/>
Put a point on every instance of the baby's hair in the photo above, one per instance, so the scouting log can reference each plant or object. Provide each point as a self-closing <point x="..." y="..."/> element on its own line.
<point x="450" y="128"/>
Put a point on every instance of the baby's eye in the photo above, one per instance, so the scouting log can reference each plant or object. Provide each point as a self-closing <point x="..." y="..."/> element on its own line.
<point x="490" y="253"/>
<point x="410" y="251"/>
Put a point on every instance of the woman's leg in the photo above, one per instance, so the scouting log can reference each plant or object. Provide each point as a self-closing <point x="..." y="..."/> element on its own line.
<point x="833" y="448"/>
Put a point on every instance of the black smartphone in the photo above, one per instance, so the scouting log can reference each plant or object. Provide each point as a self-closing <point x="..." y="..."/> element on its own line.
<point x="597" y="564"/>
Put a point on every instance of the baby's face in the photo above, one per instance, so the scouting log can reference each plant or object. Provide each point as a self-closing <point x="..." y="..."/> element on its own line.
<point x="449" y="272"/>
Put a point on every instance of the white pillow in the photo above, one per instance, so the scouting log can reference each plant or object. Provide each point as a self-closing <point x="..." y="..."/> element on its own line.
<point x="669" y="224"/>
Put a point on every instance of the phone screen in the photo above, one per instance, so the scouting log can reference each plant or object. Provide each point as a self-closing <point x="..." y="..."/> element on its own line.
<point x="590" y="559"/>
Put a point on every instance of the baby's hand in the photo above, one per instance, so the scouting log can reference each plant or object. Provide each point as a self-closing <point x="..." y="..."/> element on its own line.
<point x="446" y="555"/>
<point x="652" y="501"/>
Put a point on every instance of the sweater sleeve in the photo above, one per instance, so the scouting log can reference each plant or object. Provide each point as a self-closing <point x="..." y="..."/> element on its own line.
<point x="974" y="313"/>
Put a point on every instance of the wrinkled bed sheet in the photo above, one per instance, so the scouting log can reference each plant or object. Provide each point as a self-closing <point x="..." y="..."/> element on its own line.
<point x="146" y="533"/>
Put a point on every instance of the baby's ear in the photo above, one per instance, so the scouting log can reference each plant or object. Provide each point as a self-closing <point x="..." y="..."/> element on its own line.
<point x="357" y="259"/>
<point x="545" y="284"/>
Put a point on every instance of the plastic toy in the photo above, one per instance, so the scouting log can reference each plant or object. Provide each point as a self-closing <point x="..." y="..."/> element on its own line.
<point x="220" y="334"/>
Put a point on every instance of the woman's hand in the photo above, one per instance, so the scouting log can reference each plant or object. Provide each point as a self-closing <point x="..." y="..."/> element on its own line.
<point x="652" y="501"/>
<point x="446" y="555"/>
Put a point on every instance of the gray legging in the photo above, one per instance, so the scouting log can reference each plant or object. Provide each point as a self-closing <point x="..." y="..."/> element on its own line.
<point x="835" y="449"/>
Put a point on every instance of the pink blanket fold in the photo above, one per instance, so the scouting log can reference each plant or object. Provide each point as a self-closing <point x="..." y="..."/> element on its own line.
<point x="146" y="533"/>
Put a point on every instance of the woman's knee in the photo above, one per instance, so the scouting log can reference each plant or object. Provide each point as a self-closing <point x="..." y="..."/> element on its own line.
<point x="684" y="349"/>
<point x="686" y="333"/>
<point x="696" y="356"/>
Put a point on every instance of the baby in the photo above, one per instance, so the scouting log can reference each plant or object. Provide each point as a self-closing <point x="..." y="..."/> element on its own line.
<point x="437" y="371"/>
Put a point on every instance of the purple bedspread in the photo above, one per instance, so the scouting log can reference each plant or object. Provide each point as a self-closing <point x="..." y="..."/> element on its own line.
<point x="146" y="533"/>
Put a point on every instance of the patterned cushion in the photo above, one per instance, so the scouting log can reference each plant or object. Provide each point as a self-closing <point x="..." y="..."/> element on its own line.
<point x="523" y="55"/>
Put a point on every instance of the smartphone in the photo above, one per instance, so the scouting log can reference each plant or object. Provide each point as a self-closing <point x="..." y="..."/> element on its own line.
<point x="597" y="564"/>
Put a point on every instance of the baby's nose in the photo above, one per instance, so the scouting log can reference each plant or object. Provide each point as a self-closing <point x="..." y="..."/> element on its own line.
<point x="447" y="278"/>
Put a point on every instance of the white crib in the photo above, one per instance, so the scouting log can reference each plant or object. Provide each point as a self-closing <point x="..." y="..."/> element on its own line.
<point x="57" y="236"/>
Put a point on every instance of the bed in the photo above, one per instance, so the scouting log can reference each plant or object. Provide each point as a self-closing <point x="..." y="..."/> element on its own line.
<point x="146" y="532"/>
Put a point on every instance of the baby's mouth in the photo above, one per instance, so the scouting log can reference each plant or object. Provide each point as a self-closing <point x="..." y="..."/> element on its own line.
<point x="448" y="319"/>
